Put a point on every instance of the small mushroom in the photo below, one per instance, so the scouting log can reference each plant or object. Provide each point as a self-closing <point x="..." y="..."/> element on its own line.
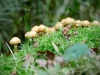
<point x="48" y="30"/>
<point x="35" y="28"/>
<point x="69" y="20"/>
<point x="41" y="28"/>
<point x="30" y="35"/>
<point x="85" y="23"/>
<point x="95" y="22"/>
<point x="53" y="29"/>
<point x="63" y="21"/>
<point x="78" y="23"/>
<point x="58" y="25"/>
<point x="15" y="41"/>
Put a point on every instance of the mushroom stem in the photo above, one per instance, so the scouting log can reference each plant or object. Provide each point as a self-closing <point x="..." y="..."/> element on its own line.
<point x="15" y="48"/>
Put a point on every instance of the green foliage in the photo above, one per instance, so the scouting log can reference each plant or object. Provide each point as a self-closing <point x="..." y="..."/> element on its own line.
<point x="89" y="34"/>
<point x="45" y="42"/>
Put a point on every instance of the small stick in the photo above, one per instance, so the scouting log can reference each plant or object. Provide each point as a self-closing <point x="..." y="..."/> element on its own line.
<point x="11" y="51"/>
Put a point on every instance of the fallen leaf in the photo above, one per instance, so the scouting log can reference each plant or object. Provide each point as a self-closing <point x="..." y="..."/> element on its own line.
<point x="98" y="57"/>
<point x="49" y="55"/>
<point x="58" y="59"/>
<point x="42" y="62"/>
<point x="14" y="73"/>
<point x="50" y="64"/>
<point x="28" y="60"/>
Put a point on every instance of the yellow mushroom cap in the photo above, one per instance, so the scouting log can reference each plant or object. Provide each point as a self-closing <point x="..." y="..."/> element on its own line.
<point x="70" y="20"/>
<point x="49" y="30"/>
<point x="58" y="25"/>
<point x="63" y="21"/>
<point x="15" y="41"/>
<point x="85" y="23"/>
<point x="35" y="28"/>
<point x="78" y="23"/>
<point x="53" y="29"/>
<point x="95" y="22"/>
<point x="31" y="34"/>
<point x="41" y="28"/>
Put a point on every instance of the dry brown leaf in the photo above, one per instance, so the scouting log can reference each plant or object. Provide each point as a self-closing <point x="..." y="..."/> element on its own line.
<point x="98" y="57"/>
<point x="14" y="73"/>
<point x="42" y="62"/>
<point x="50" y="64"/>
<point x="49" y="55"/>
<point x="28" y="60"/>
<point x="60" y="60"/>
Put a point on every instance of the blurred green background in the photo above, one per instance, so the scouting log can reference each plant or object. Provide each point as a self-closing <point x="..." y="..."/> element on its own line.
<point x="18" y="16"/>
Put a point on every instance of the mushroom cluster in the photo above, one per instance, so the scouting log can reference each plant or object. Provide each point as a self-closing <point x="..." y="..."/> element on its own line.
<point x="64" y="24"/>
<point x="42" y="29"/>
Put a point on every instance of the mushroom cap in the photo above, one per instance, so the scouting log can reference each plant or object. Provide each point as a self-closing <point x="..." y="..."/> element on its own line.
<point x="69" y="20"/>
<point x="85" y="23"/>
<point x="95" y="22"/>
<point x="63" y="21"/>
<point x="31" y="34"/>
<point x="53" y="29"/>
<point x="78" y="23"/>
<point x="15" y="41"/>
<point x="41" y="28"/>
<point x="49" y="30"/>
<point x="58" y="25"/>
<point x="35" y="28"/>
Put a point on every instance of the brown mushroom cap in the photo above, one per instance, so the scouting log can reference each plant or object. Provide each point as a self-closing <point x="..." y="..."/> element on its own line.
<point x="58" y="25"/>
<point x="35" y="28"/>
<point x="85" y="23"/>
<point x="41" y="28"/>
<point x="49" y="30"/>
<point x="63" y="21"/>
<point x="78" y="23"/>
<point x="53" y="29"/>
<point x="69" y="20"/>
<point x="15" y="41"/>
<point x="95" y="22"/>
<point x="31" y="34"/>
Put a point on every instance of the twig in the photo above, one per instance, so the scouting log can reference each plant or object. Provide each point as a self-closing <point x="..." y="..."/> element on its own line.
<point x="11" y="51"/>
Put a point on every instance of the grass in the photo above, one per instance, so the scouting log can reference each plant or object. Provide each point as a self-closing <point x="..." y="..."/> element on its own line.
<point x="78" y="67"/>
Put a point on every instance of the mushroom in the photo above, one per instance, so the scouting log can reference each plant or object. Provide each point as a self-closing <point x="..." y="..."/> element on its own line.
<point x="85" y="23"/>
<point x="63" y="21"/>
<point x="35" y="28"/>
<point x="41" y="28"/>
<point x="78" y="23"/>
<point x="95" y="22"/>
<point x="30" y="35"/>
<point x="14" y="41"/>
<point x="69" y="20"/>
<point x="53" y="29"/>
<point x="58" y="25"/>
<point x="49" y="30"/>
